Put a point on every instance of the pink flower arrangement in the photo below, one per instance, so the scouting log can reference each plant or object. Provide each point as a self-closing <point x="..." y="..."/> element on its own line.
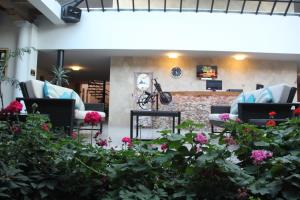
<point x="259" y="156"/>
<point x="14" y="107"/>
<point x="164" y="147"/>
<point x="224" y="117"/>
<point x="92" y="118"/>
<point x="74" y="135"/>
<point x="101" y="143"/>
<point x="126" y="140"/>
<point x="201" y="138"/>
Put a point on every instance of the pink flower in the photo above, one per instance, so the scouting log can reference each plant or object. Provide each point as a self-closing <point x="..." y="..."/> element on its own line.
<point x="164" y="147"/>
<point x="45" y="127"/>
<point x="229" y="140"/>
<point x="14" y="107"/>
<point x="224" y="117"/>
<point x="92" y="118"/>
<point x="126" y="140"/>
<point x="201" y="138"/>
<point x="74" y="135"/>
<point x="101" y="143"/>
<point x="238" y="120"/>
<point x="259" y="156"/>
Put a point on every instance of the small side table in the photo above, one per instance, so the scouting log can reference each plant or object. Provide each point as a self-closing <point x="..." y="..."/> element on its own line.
<point x="153" y="113"/>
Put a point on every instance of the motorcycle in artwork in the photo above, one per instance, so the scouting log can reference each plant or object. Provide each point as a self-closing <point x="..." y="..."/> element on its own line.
<point x="146" y="97"/>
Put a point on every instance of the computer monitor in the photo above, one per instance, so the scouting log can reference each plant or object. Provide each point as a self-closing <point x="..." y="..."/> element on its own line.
<point x="213" y="85"/>
<point x="259" y="86"/>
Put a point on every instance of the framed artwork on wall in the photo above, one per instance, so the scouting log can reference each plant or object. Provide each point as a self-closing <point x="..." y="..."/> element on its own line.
<point x="3" y="56"/>
<point x="207" y="72"/>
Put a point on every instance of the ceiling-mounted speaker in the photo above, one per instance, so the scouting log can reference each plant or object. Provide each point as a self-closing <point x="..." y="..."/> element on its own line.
<point x="71" y="14"/>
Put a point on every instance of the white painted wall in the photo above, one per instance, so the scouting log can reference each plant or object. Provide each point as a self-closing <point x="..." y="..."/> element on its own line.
<point x="8" y="39"/>
<point x="175" y="31"/>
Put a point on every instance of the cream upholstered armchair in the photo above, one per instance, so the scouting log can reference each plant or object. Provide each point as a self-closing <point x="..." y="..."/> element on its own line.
<point x="254" y="107"/>
<point x="63" y="105"/>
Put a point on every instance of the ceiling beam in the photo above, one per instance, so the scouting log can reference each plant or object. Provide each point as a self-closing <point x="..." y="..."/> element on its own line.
<point x="18" y="12"/>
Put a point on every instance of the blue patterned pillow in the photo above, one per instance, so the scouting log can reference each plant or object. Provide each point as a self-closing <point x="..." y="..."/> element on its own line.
<point x="58" y="92"/>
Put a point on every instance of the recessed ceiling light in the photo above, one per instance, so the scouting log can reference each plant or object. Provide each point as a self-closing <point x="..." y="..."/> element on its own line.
<point x="173" y="55"/>
<point x="75" y="68"/>
<point x="240" y="57"/>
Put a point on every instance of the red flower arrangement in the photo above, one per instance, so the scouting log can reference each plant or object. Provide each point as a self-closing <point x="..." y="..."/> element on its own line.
<point x="271" y="123"/>
<point x="272" y="114"/>
<point x="92" y="118"/>
<point x="297" y="112"/>
<point x="14" y="107"/>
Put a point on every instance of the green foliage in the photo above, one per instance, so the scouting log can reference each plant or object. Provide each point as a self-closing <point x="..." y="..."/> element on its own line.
<point x="37" y="164"/>
<point x="60" y="76"/>
<point x="3" y="68"/>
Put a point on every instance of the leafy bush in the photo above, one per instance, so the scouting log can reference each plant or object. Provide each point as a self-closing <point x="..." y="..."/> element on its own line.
<point x="39" y="164"/>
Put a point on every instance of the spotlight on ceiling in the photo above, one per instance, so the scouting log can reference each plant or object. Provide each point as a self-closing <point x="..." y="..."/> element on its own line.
<point x="173" y="55"/>
<point x="240" y="57"/>
<point x="75" y="68"/>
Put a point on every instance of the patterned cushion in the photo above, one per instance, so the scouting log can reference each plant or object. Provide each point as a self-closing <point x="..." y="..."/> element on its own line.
<point x="258" y="96"/>
<point x="58" y="92"/>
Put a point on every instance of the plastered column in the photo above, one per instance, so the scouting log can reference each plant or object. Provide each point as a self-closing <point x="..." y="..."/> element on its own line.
<point x="27" y="37"/>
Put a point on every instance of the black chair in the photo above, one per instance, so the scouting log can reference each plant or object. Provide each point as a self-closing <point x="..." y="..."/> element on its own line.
<point x="258" y="113"/>
<point x="61" y="112"/>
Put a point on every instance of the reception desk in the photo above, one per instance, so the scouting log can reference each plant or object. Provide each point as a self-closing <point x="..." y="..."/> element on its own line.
<point x="195" y="105"/>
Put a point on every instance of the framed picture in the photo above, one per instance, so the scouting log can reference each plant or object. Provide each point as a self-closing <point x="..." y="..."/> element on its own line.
<point x="3" y="55"/>
<point x="207" y="72"/>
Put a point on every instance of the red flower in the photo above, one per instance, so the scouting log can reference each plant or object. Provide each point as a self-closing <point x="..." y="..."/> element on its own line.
<point x="271" y="123"/>
<point x="297" y="112"/>
<point x="14" y="107"/>
<point x="92" y="118"/>
<point x="272" y="114"/>
<point x="101" y="143"/>
<point x="45" y="127"/>
<point x="126" y="140"/>
<point x="74" y="135"/>
<point x="164" y="147"/>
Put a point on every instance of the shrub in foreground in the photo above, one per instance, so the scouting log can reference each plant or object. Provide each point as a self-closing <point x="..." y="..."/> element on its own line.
<point x="243" y="162"/>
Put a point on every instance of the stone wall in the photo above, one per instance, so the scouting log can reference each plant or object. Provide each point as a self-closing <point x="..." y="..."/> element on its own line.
<point x="234" y="74"/>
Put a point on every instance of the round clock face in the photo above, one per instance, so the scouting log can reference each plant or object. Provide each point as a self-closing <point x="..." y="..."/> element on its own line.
<point x="143" y="81"/>
<point x="176" y="72"/>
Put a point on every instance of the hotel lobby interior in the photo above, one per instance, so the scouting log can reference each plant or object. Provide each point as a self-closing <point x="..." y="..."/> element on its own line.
<point x="177" y="90"/>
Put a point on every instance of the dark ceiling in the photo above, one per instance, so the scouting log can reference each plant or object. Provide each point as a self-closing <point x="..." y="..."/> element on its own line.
<point x="94" y="66"/>
<point x="19" y="9"/>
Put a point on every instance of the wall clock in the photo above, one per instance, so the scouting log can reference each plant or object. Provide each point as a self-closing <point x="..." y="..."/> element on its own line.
<point x="176" y="72"/>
